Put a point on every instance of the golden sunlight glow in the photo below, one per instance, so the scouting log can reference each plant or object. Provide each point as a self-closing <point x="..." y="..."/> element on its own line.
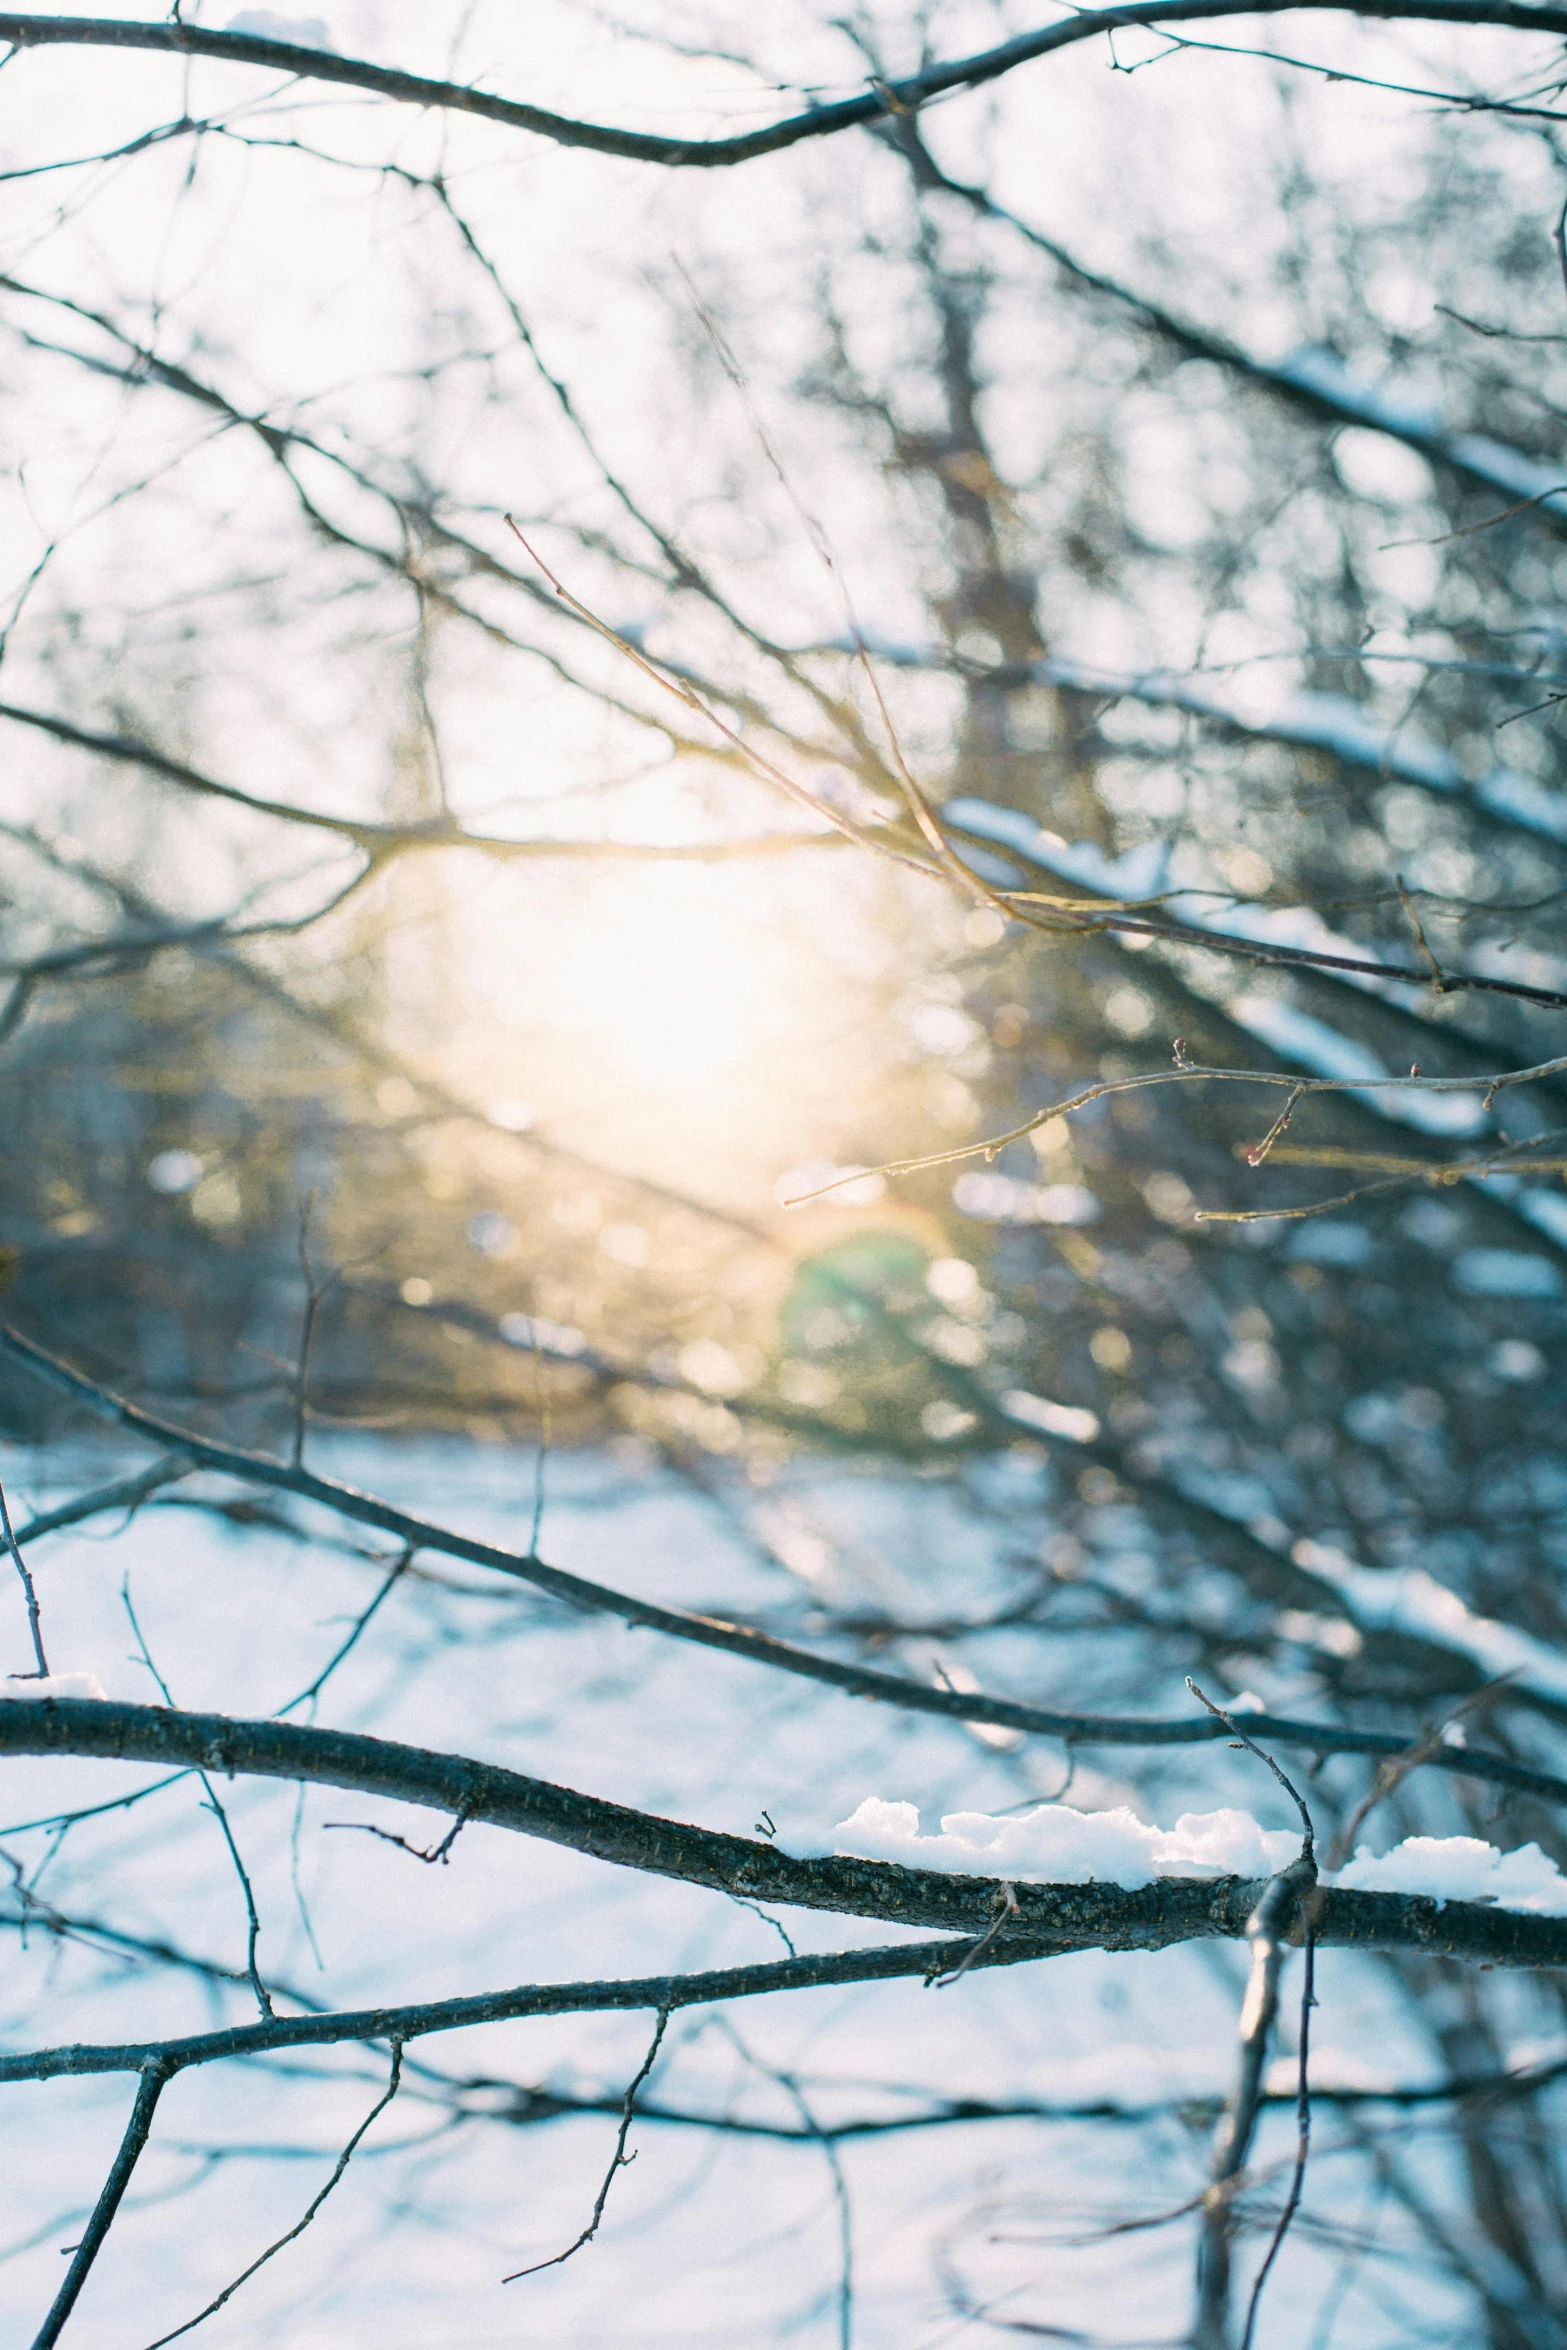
<point x="706" y="1025"/>
<point x="683" y="987"/>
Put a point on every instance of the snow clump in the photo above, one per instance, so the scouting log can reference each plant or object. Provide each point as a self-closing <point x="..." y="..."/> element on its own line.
<point x="53" y="1685"/>
<point x="1462" y="1868"/>
<point x="1056" y="1845"/>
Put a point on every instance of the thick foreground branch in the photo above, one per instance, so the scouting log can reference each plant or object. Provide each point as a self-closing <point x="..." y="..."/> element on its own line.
<point x="1053" y="1917"/>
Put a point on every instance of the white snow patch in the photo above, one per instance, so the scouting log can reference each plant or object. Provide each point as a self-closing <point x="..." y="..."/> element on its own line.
<point x="55" y="1685"/>
<point x="1407" y="1599"/>
<point x="998" y="871"/>
<point x="1138" y="873"/>
<point x="1547" y="1211"/>
<point x="531" y="1330"/>
<point x="1008" y="825"/>
<point x="1317" y="369"/>
<point x="1507" y="470"/>
<point x="1522" y="801"/>
<point x="1328" y="722"/>
<point x="265" y="24"/>
<point x="1055" y="1845"/>
<point x="1332" y="722"/>
<point x="1506" y="1272"/>
<point x="1326" y="1053"/>
<point x="1056" y="1419"/>
<point x="1461" y="1868"/>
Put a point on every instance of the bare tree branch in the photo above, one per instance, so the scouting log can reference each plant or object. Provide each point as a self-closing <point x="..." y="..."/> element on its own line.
<point x="29" y="1593"/>
<point x="882" y="101"/>
<point x="121" y="1493"/>
<point x="1286" y="1901"/>
<point x="394" y="2083"/>
<point x="380" y="841"/>
<point x="761" y="1647"/>
<point x="155" y="2077"/>
<point x="618" y="2160"/>
<point x="1315" y="391"/>
<point x="1092" y="1916"/>
<point x="890" y="1963"/>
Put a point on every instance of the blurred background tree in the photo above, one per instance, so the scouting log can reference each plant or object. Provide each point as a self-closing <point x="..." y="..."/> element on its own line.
<point x="420" y="1015"/>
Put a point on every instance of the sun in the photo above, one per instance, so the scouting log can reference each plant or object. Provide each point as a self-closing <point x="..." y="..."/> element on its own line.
<point x="706" y="1024"/>
<point x="681" y="987"/>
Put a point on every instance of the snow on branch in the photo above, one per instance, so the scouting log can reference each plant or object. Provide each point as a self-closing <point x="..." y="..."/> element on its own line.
<point x="1096" y="1914"/>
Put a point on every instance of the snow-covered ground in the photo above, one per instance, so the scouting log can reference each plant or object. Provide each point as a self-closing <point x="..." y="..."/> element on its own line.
<point x="718" y="2237"/>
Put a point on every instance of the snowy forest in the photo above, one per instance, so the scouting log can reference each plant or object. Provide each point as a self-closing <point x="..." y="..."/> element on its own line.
<point x="783" y="1102"/>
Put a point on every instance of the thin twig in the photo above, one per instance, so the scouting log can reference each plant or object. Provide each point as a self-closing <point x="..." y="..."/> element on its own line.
<point x="1006" y="1906"/>
<point x="1265" y="1930"/>
<point x="441" y="1852"/>
<point x="253" y="1920"/>
<point x="1395" y="1768"/>
<point x="382" y="2102"/>
<point x="1438" y="976"/>
<point x="124" y="1493"/>
<point x="824" y="2138"/>
<point x="1308" y="1848"/>
<point x="155" y="2075"/>
<point x="34" y="1619"/>
<point x="541" y="1464"/>
<point x="763" y="1647"/>
<point x="767" y="1919"/>
<point x="673" y="683"/>
<point x="1258" y="1151"/>
<point x="315" y="1291"/>
<point x="914" y="797"/>
<point x="1354" y="1920"/>
<point x="16" y="1006"/>
<point x="1186" y="1072"/>
<point x="620" y="2161"/>
<point x="92" y="1811"/>
<point x="1054" y="915"/>
<point x="1308" y="2000"/>
<point x="394" y="1575"/>
<point x="878" y="101"/>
